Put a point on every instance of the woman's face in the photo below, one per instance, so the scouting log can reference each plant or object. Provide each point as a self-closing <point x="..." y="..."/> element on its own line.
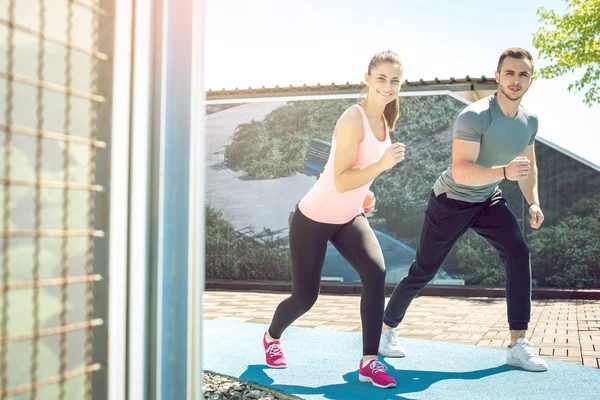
<point x="384" y="82"/>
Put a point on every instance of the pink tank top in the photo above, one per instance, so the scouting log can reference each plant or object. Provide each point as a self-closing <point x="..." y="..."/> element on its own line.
<point x="323" y="203"/>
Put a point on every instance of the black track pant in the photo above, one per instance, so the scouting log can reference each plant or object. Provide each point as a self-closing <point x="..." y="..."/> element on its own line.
<point x="446" y="220"/>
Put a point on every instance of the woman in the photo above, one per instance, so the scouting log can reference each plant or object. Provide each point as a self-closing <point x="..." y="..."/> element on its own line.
<point x="333" y="211"/>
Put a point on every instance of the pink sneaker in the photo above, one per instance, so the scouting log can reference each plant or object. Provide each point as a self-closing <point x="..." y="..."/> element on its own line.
<point x="374" y="371"/>
<point x="274" y="353"/>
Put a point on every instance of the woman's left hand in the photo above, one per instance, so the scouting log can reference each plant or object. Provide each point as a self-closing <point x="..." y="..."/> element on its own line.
<point x="369" y="202"/>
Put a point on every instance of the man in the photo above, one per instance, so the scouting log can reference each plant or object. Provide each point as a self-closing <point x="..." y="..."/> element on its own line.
<point x="493" y="140"/>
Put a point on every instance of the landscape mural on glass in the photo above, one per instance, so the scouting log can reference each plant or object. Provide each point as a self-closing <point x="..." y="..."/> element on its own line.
<point x="263" y="157"/>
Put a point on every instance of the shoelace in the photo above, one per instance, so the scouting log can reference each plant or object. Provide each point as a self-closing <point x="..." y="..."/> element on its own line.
<point x="377" y="366"/>
<point x="528" y="349"/>
<point x="392" y="338"/>
<point x="274" y="350"/>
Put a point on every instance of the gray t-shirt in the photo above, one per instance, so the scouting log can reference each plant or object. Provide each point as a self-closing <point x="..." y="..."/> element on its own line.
<point x="501" y="139"/>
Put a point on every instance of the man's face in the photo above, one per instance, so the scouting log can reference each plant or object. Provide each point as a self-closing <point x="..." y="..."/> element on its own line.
<point x="515" y="77"/>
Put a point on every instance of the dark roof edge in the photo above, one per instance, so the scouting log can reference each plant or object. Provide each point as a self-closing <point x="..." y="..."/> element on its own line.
<point x="451" y="84"/>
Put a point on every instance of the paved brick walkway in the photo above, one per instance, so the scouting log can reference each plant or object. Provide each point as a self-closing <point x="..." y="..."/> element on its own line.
<point x="567" y="330"/>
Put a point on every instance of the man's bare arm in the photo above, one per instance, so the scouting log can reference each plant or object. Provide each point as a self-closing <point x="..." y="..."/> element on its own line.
<point x="466" y="172"/>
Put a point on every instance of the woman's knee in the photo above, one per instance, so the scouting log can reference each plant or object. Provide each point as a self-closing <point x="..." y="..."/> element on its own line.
<point x="374" y="275"/>
<point x="305" y="301"/>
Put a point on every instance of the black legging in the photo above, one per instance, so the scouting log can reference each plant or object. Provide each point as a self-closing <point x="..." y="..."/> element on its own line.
<point x="357" y="243"/>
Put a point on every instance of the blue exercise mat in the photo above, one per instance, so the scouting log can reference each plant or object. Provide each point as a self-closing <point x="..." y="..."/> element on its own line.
<point x="323" y="364"/>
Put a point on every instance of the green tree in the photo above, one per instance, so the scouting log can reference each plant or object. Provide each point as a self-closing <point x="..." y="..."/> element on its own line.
<point x="567" y="255"/>
<point x="275" y="147"/>
<point x="572" y="41"/>
<point x="477" y="261"/>
<point x="232" y="256"/>
<point x="564" y="255"/>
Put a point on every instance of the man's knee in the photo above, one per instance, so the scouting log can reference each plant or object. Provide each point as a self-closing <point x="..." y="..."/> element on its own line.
<point x="419" y="277"/>
<point x="422" y="271"/>
<point x="519" y="251"/>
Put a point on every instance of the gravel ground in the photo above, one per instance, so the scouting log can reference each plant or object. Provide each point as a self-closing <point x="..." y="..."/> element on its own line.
<point x="217" y="387"/>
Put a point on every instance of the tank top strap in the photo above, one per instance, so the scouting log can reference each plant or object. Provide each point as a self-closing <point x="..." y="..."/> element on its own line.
<point x="367" y="127"/>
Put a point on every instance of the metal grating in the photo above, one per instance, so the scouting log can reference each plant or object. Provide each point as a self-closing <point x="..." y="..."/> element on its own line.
<point x="34" y="231"/>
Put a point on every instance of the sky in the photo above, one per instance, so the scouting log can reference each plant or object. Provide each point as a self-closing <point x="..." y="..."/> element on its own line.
<point x="281" y="42"/>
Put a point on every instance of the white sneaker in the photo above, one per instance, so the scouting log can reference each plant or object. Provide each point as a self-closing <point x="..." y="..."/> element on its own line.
<point x="524" y="356"/>
<point x="389" y="346"/>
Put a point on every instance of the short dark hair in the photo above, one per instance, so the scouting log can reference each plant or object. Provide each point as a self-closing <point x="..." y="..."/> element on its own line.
<point x="514" y="52"/>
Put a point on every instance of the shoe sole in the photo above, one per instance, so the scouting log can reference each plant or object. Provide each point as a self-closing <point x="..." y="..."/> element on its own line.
<point x="277" y="366"/>
<point x="366" y="379"/>
<point x="392" y="355"/>
<point x="517" y="363"/>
